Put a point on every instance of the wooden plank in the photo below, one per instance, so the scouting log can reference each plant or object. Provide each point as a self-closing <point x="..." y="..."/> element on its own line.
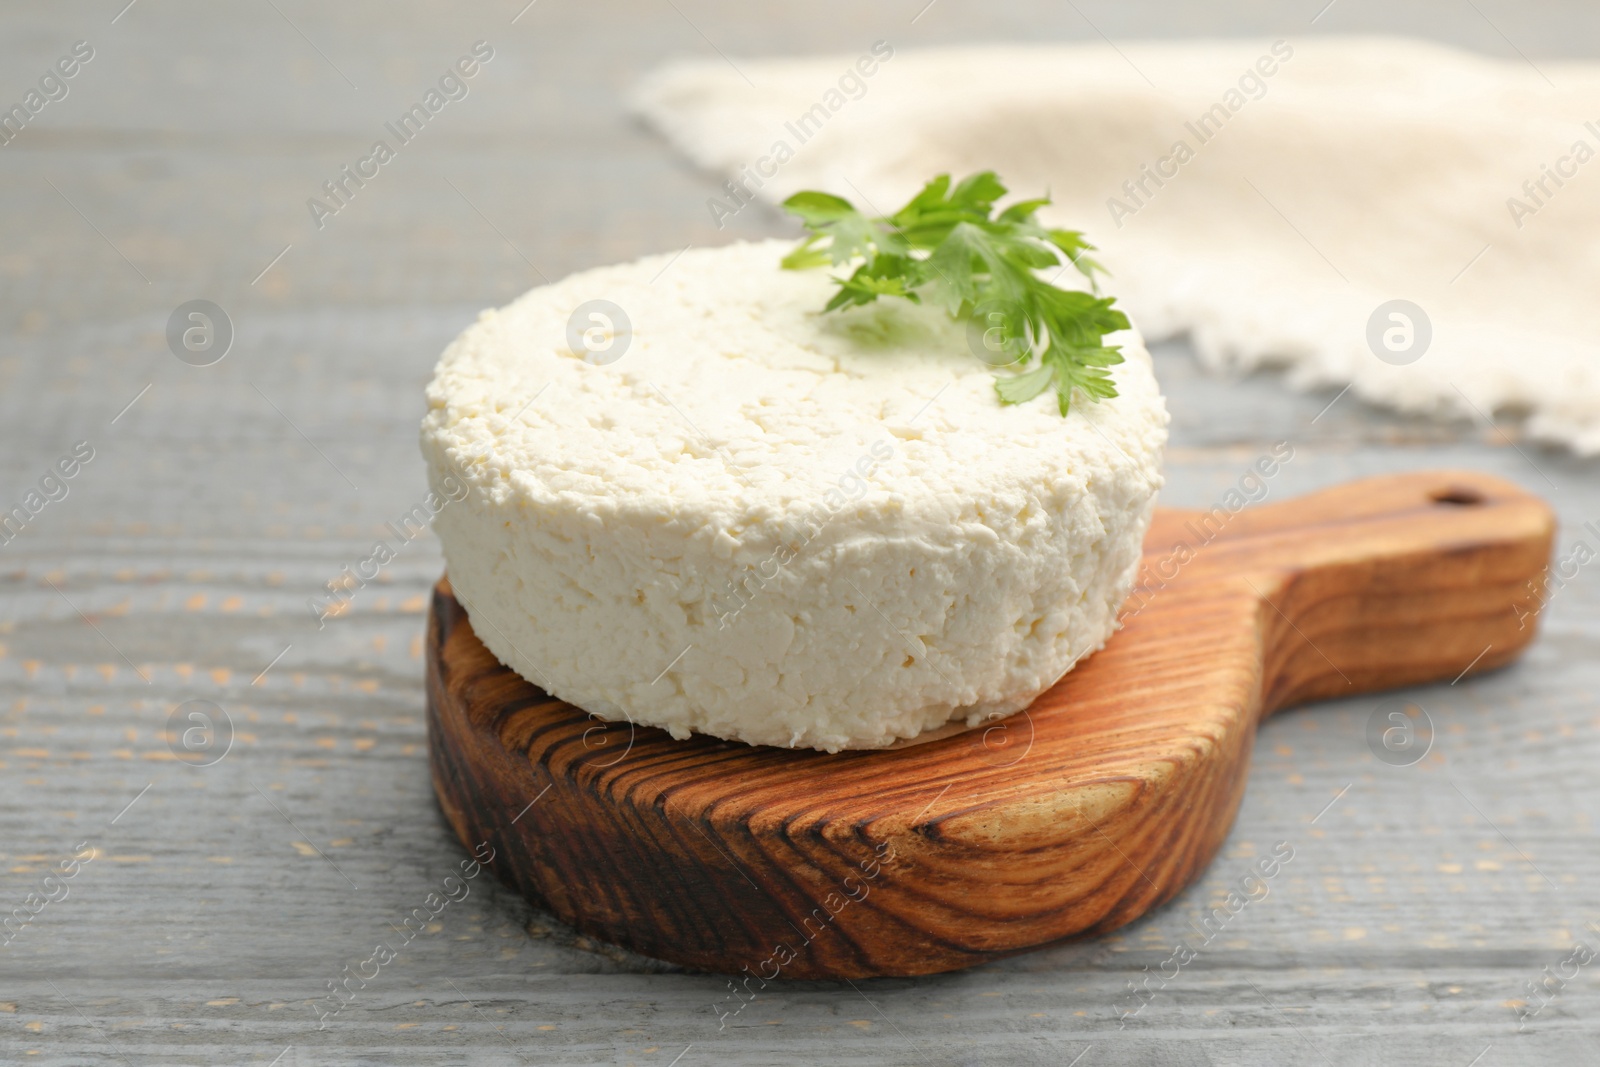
<point x="1105" y="798"/>
<point x="207" y="925"/>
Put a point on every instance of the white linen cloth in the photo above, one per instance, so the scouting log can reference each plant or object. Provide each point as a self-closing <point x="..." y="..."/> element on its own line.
<point x="1329" y="177"/>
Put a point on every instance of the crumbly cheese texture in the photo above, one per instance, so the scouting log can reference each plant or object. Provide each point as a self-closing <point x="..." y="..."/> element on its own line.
<point x="772" y="525"/>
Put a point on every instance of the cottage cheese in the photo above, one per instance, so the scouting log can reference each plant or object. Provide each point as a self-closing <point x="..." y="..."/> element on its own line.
<point x="773" y="525"/>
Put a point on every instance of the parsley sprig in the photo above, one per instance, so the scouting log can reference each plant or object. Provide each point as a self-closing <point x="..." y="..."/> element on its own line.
<point x="980" y="266"/>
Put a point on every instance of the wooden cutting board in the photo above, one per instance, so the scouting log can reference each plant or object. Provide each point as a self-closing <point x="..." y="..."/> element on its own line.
<point x="1101" y="801"/>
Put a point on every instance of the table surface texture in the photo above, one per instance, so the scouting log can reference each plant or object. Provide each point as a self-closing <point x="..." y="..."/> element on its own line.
<point x="211" y="908"/>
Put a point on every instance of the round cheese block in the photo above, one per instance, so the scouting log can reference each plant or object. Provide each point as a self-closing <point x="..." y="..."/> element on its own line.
<point x="674" y="492"/>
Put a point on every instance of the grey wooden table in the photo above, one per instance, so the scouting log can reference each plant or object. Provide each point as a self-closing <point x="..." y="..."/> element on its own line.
<point x="197" y="914"/>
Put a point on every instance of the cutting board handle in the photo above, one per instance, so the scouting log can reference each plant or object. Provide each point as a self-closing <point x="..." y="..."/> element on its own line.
<point x="1386" y="582"/>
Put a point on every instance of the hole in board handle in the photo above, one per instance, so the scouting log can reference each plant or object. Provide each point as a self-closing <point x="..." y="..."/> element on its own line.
<point x="1456" y="495"/>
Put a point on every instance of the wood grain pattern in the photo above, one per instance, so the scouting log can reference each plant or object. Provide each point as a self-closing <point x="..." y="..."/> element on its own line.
<point x="1103" y="800"/>
<point x="208" y="930"/>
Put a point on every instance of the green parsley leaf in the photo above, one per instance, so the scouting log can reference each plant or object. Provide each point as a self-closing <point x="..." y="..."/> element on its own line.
<point x="948" y="243"/>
